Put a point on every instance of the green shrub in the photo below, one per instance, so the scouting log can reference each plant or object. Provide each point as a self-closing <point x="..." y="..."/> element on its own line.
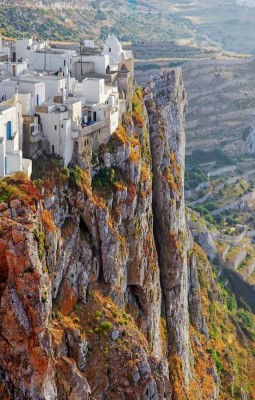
<point x="217" y="360"/>
<point x="245" y="318"/>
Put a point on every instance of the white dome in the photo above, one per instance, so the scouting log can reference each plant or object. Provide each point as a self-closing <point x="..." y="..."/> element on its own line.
<point x="112" y="41"/>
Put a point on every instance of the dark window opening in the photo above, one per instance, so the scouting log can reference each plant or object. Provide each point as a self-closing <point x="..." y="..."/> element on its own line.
<point x="53" y="149"/>
<point x="55" y="127"/>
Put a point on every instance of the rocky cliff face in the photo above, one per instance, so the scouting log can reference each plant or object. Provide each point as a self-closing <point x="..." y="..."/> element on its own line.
<point x="100" y="296"/>
<point x="166" y="102"/>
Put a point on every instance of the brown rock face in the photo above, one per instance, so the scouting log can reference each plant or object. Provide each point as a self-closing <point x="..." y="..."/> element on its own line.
<point x="166" y="102"/>
<point x="94" y="278"/>
<point x="24" y="311"/>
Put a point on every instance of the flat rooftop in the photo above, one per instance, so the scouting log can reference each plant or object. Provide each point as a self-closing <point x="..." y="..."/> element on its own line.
<point x="4" y="108"/>
<point x="17" y="79"/>
<point x="40" y="77"/>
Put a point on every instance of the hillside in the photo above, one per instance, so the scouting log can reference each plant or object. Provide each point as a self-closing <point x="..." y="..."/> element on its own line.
<point x="207" y="25"/>
<point x="221" y="96"/>
<point x="103" y="292"/>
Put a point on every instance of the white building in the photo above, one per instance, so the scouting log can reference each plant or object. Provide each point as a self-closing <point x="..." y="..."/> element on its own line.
<point x="25" y="46"/>
<point x="94" y="95"/>
<point x="55" y="85"/>
<point x="11" y="158"/>
<point x="114" y="50"/>
<point x="59" y="113"/>
<point x="10" y="69"/>
<point x="30" y="93"/>
<point x="60" y="122"/>
<point x="52" y="60"/>
<point x="95" y="63"/>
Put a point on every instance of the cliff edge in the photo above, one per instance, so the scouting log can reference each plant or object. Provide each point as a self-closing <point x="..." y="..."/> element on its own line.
<point x="103" y="294"/>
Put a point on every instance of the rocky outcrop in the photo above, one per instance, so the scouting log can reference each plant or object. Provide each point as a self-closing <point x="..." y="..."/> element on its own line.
<point x="166" y="102"/>
<point x="100" y="282"/>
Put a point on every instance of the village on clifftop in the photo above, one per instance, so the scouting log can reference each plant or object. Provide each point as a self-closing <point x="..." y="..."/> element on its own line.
<point x="60" y="100"/>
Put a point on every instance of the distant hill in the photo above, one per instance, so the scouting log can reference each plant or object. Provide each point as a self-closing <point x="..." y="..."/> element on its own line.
<point x="204" y="24"/>
<point x="245" y="3"/>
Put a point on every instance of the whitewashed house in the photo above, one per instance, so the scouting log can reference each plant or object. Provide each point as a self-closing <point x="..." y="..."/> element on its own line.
<point x="51" y="60"/>
<point x="25" y="46"/>
<point x="30" y="93"/>
<point x="11" y="156"/>
<point x="95" y="95"/>
<point x="59" y="123"/>
<point x="55" y="85"/>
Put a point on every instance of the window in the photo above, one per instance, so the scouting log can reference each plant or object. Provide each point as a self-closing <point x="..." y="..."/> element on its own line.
<point x="62" y="126"/>
<point x="52" y="149"/>
<point x="37" y="99"/>
<point x="9" y="130"/>
<point x="110" y="49"/>
<point x="64" y="63"/>
<point x="55" y="127"/>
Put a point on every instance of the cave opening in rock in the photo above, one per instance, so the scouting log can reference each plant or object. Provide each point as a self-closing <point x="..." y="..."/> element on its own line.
<point x="139" y="297"/>
<point x="85" y="231"/>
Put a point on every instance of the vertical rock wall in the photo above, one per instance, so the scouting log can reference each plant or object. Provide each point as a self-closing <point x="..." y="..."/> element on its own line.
<point x="166" y="101"/>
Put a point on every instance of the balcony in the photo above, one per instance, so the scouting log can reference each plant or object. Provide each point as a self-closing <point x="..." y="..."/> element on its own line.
<point x="86" y="130"/>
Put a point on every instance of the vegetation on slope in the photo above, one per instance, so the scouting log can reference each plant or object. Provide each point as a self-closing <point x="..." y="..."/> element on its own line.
<point x="232" y="335"/>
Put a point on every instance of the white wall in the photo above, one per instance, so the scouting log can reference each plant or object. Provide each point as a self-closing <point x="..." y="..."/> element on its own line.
<point x="27" y="166"/>
<point x="8" y="88"/>
<point x="53" y="87"/>
<point x="60" y="137"/>
<point x="9" y="114"/>
<point x="2" y="158"/>
<point x="101" y="112"/>
<point x="11" y="148"/>
<point x="67" y="141"/>
<point x="21" y="48"/>
<point x="75" y="110"/>
<point x="14" y="162"/>
<point x="25" y="99"/>
<point x="101" y="62"/>
<point x="93" y="90"/>
<point x="16" y="69"/>
<point x="26" y="46"/>
<point x="114" y="121"/>
<point x="13" y="145"/>
<point x="36" y="89"/>
<point x="53" y="61"/>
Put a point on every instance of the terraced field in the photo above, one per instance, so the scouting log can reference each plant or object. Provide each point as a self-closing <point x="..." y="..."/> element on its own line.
<point x="221" y="97"/>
